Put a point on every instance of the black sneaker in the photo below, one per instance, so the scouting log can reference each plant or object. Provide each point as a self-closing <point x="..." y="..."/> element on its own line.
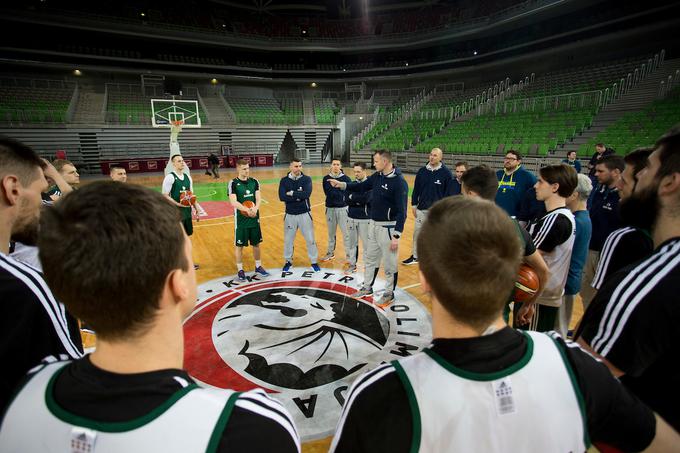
<point x="410" y="261"/>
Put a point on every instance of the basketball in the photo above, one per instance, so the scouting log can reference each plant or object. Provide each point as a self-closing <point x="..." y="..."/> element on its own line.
<point x="248" y="204"/>
<point x="187" y="198"/>
<point x="527" y="284"/>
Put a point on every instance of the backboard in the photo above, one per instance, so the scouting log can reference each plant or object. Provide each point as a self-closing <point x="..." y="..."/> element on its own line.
<point x="163" y="111"/>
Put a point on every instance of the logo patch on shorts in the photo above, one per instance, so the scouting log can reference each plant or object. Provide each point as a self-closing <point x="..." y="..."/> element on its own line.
<point x="300" y="336"/>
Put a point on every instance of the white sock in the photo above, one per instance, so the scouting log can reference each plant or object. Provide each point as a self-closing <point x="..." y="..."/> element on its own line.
<point x="258" y="263"/>
<point x="239" y="266"/>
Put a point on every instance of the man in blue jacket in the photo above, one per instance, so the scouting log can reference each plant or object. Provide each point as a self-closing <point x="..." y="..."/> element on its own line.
<point x="295" y="189"/>
<point x="358" y="218"/>
<point x="336" y="209"/>
<point x="603" y="205"/>
<point x="388" y="214"/>
<point x="513" y="183"/>
<point x="434" y="181"/>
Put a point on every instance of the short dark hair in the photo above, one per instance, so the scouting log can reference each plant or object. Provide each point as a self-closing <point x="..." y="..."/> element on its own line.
<point x="19" y="159"/>
<point x="570" y="151"/>
<point x="459" y="163"/>
<point x="61" y="163"/>
<point x="561" y="174"/>
<point x="517" y="155"/>
<point x="469" y="252"/>
<point x="295" y="159"/>
<point x="335" y="158"/>
<point x="119" y="242"/>
<point x="600" y="145"/>
<point x="240" y="162"/>
<point x="172" y="158"/>
<point x="482" y="180"/>
<point x="360" y="164"/>
<point x="637" y="159"/>
<point x="385" y="154"/>
<point x="669" y="155"/>
<point x="612" y="162"/>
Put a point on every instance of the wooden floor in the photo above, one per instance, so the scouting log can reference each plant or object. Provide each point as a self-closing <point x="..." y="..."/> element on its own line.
<point x="214" y="251"/>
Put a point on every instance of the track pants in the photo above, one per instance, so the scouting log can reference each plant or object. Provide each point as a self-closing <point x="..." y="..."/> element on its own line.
<point x="421" y="216"/>
<point x="337" y="217"/>
<point x="379" y="238"/>
<point x="357" y="228"/>
<point x="303" y="222"/>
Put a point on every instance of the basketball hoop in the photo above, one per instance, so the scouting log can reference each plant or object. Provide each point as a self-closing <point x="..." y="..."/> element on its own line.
<point x="175" y="129"/>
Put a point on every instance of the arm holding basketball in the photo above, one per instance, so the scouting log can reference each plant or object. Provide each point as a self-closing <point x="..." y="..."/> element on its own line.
<point x="536" y="261"/>
<point x="235" y="203"/>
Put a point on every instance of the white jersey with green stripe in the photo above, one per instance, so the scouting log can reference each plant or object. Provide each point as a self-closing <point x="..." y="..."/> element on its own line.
<point x="533" y="406"/>
<point x="192" y="420"/>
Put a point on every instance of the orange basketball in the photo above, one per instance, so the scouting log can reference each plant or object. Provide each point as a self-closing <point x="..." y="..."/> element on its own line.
<point x="187" y="198"/>
<point x="248" y="204"/>
<point x="527" y="284"/>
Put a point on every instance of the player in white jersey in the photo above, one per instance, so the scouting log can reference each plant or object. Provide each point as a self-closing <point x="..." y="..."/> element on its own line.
<point x="131" y="278"/>
<point x="553" y="235"/>
<point x="482" y="386"/>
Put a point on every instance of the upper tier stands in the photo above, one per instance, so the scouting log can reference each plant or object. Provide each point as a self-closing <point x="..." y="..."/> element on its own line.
<point x="34" y="101"/>
<point x="234" y="21"/>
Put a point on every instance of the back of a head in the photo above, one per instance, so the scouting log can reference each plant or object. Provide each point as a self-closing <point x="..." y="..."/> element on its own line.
<point x="482" y="180"/>
<point x="20" y="160"/>
<point x="107" y="250"/>
<point x="469" y="251"/>
<point x="584" y="187"/>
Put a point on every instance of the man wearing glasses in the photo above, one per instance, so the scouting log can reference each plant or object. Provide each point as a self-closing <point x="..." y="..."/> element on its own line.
<point x="513" y="182"/>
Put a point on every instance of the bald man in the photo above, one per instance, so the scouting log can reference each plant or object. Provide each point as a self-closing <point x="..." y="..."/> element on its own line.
<point x="434" y="181"/>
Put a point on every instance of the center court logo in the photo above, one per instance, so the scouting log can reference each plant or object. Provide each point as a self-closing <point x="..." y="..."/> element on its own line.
<point x="299" y="336"/>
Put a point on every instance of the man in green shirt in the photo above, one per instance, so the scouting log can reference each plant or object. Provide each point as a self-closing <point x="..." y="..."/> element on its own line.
<point x="244" y="189"/>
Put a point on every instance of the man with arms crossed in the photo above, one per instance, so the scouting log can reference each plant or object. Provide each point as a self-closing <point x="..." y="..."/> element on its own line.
<point x="131" y="394"/>
<point x="388" y="214"/>
<point x="295" y="190"/>
<point x="336" y="210"/>
<point x="246" y="220"/>
<point x="358" y="218"/>
<point x="483" y="386"/>
<point x="433" y="182"/>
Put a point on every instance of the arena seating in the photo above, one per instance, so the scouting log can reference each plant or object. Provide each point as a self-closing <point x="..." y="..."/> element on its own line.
<point x="34" y="105"/>
<point x="257" y="110"/>
<point x="638" y="129"/>
<point x="529" y="133"/>
<point x="325" y="110"/>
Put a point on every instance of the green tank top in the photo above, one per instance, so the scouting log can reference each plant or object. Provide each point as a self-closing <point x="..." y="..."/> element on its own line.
<point x="245" y="191"/>
<point x="179" y="186"/>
